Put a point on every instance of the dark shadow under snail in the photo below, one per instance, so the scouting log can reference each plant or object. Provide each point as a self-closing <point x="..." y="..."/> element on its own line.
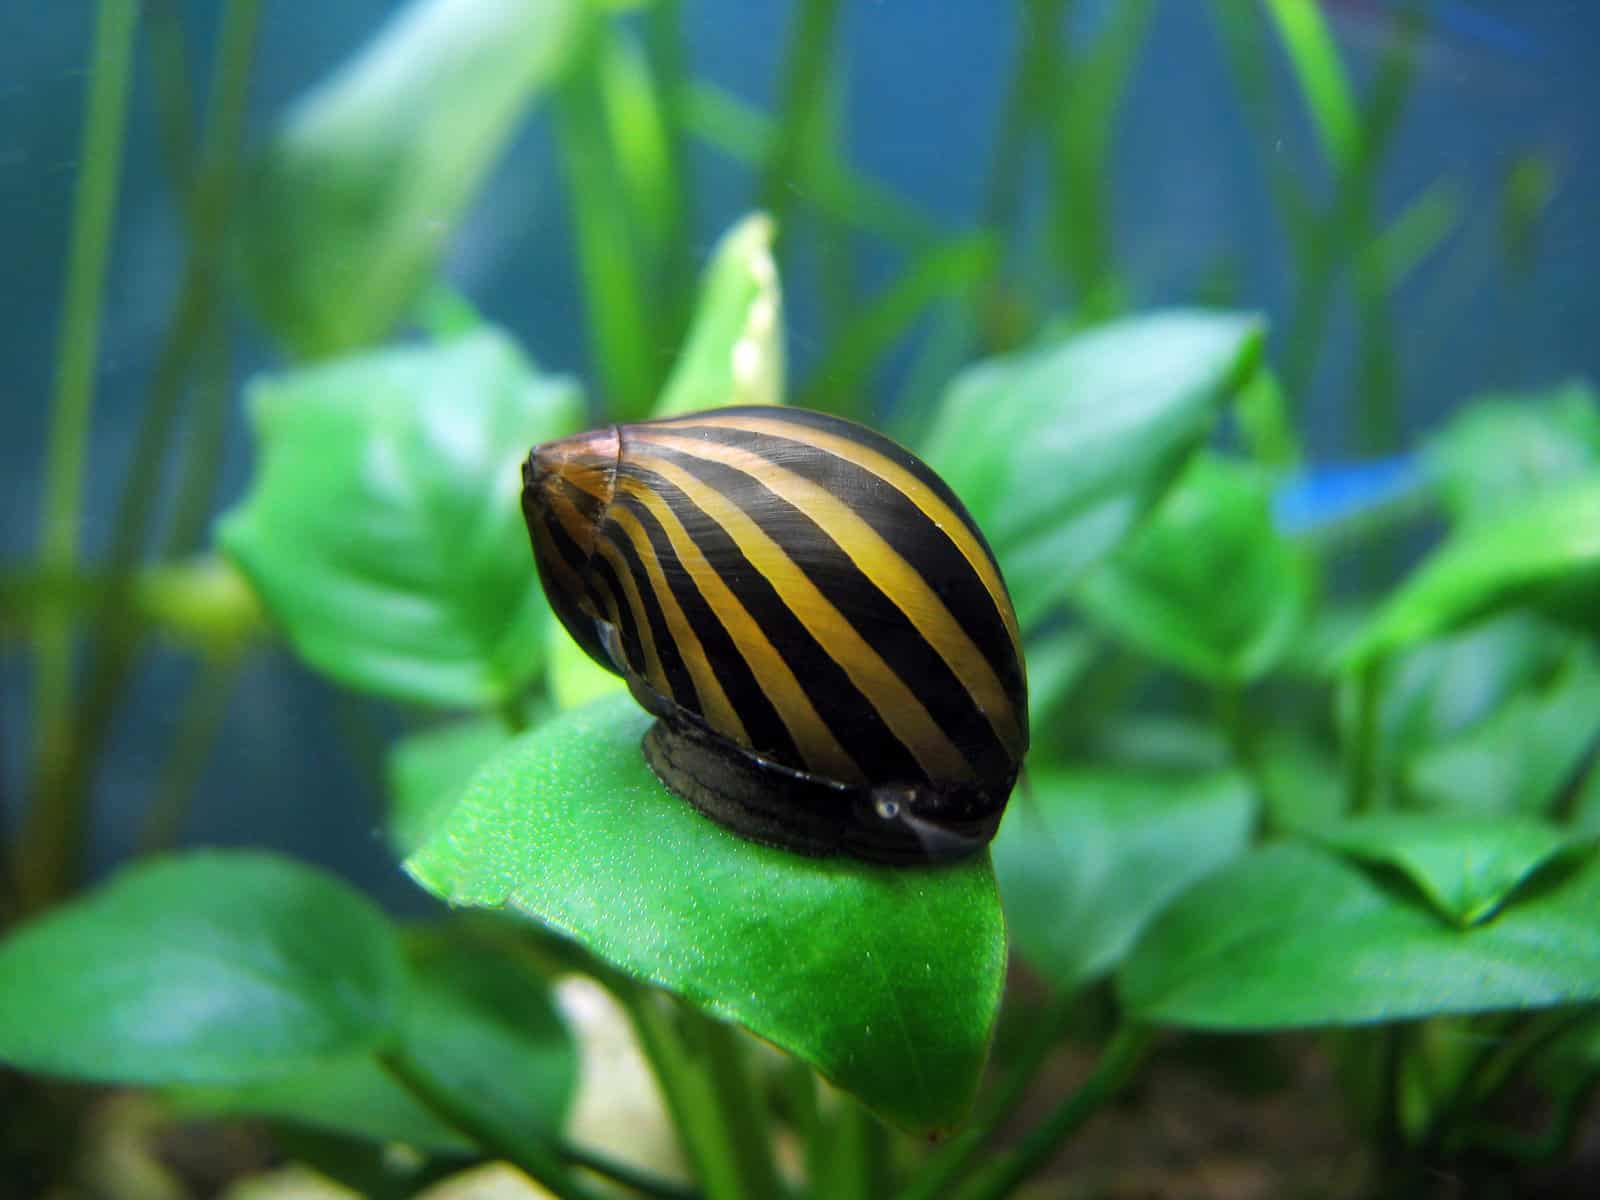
<point x="809" y="612"/>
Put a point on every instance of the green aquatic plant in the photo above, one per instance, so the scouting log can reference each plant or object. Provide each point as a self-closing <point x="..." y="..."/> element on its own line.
<point x="1257" y="803"/>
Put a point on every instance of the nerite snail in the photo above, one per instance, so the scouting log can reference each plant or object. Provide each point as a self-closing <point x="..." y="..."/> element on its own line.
<point x="810" y="613"/>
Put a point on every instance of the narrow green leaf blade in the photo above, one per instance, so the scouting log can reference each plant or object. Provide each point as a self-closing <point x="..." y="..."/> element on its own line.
<point x="1291" y="936"/>
<point x="1086" y="858"/>
<point x="1058" y="452"/>
<point x="205" y="968"/>
<point x="383" y="531"/>
<point x="887" y="980"/>
<point x="347" y="215"/>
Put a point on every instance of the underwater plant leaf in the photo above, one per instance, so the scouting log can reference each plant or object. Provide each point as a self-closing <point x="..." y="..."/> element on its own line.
<point x="351" y="1095"/>
<point x="1086" y="858"/>
<point x="1503" y="449"/>
<point x="1442" y="690"/>
<point x="1206" y="585"/>
<point x="1545" y="548"/>
<point x="1291" y="936"/>
<point x="1520" y="757"/>
<point x="427" y="772"/>
<point x="885" y="979"/>
<point x="347" y="215"/>
<point x="1058" y="452"/>
<point x="1465" y="865"/>
<point x="477" y="1020"/>
<point x="210" y="967"/>
<point x="734" y="351"/>
<point x="1301" y="781"/>
<point x="1058" y="662"/>
<point x="383" y="531"/>
<point x="483" y="1028"/>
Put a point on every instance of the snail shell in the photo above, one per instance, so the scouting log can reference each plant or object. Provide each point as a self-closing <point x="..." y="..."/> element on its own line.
<point x="810" y="613"/>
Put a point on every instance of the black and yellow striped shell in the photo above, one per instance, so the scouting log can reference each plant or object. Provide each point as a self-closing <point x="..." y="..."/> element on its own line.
<point x="810" y="613"/>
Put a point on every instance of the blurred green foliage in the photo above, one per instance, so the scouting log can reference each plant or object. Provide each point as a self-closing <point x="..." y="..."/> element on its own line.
<point x="1280" y="781"/>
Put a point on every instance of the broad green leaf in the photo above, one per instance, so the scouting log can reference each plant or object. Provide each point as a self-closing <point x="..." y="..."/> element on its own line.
<point x="1549" y="544"/>
<point x="352" y="1095"/>
<point x="477" y="1021"/>
<point x="1439" y="691"/>
<point x="484" y="1029"/>
<point x="887" y="980"/>
<point x="1519" y="758"/>
<point x="1059" y="451"/>
<point x="734" y="351"/>
<point x="383" y="531"/>
<point x="1206" y="585"/>
<point x="427" y="772"/>
<point x="211" y="967"/>
<point x="1291" y="936"/>
<point x="1301" y="782"/>
<point x="1161" y="742"/>
<point x="1503" y="449"/>
<point x="348" y="213"/>
<point x="1465" y="865"/>
<point x="1058" y="662"/>
<point x="1086" y="858"/>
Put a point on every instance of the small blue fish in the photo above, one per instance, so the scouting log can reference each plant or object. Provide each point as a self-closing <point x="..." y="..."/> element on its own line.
<point x="1324" y="496"/>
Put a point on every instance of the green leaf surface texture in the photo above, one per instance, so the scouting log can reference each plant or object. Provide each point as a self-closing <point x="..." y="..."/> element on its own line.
<point x="885" y="979"/>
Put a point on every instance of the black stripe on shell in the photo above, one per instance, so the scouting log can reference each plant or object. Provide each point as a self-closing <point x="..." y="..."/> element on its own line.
<point x="878" y="620"/>
<point x="849" y="715"/>
<point x="901" y="522"/>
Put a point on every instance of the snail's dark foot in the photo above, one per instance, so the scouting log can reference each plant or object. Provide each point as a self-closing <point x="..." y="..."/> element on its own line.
<point x="769" y="803"/>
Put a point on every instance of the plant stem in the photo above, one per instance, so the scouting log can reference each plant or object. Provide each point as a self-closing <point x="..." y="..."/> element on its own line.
<point x="62" y="784"/>
<point x="1118" y="1064"/>
<point x="628" y="1176"/>
<point x="174" y="107"/>
<point x="623" y="340"/>
<point x="1493" y="1068"/>
<point x="1085" y="95"/>
<point x="49" y="833"/>
<point x="700" y="1067"/>
<point x="939" y="1174"/>
<point x="203" y="711"/>
<point x="1555" y="1140"/>
<point x="669" y="68"/>
<point x="802" y="106"/>
<point x="213" y="192"/>
<point x="530" y="1154"/>
<point x="857" y="1162"/>
<point x="1364" y="753"/>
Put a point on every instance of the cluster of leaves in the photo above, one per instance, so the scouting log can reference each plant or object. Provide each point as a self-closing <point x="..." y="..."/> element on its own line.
<point x="1219" y="873"/>
<point x="1249" y="808"/>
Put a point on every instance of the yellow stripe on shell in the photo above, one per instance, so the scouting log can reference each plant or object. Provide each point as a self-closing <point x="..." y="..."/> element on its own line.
<point x="714" y="703"/>
<point x="933" y="505"/>
<point x="883" y="566"/>
<point x="895" y="702"/>
<point x="810" y="733"/>
<point x="641" y="619"/>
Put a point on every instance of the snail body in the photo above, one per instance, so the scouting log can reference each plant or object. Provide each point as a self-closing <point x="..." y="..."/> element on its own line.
<point x="812" y="616"/>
